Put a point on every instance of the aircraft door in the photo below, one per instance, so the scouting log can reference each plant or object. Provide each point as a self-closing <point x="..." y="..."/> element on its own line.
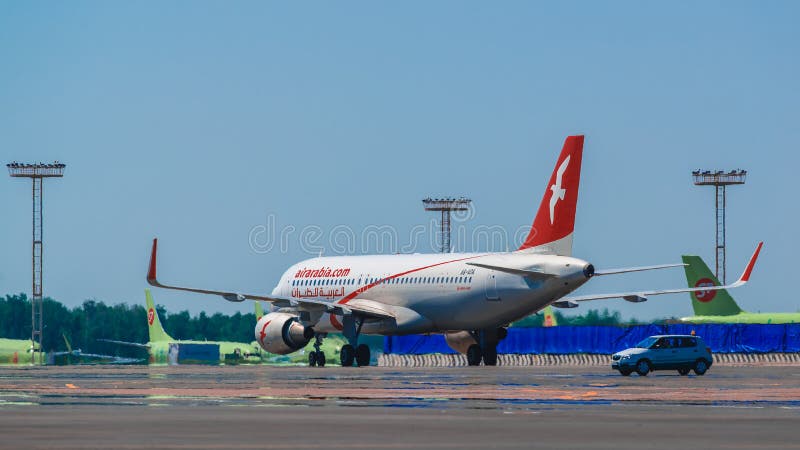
<point x="491" y="286"/>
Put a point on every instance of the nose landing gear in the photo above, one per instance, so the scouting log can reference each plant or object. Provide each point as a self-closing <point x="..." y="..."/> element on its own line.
<point x="317" y="357"/>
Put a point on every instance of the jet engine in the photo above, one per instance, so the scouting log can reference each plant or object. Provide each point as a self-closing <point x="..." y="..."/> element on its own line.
<point x="459" y="340"/>
<point x="282" y="333"/>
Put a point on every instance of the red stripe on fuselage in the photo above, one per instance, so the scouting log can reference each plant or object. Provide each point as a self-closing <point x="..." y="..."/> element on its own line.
<point x="353" y="294"/>
<point x="335" y="322"/>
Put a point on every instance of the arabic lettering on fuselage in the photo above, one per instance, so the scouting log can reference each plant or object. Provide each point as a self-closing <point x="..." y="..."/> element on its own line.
<point x="324" y="272"/>
<point x="318" y="292"/>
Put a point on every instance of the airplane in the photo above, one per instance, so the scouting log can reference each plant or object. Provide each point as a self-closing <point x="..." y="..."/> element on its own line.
<point x="717" y="306"/>
<point x="76" y="356"/>
<point x="549" y="318"/>
<point x="159" y="345"/>
<point x="16" y="351"/>
<point x="469" y="297"/>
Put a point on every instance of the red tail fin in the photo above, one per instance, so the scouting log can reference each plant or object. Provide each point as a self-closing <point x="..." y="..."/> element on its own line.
<point x="555" y="220"/>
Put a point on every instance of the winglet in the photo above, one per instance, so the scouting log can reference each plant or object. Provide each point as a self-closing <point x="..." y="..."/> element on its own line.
<point x="747" y="270"/>
<point x="151" y="271"/>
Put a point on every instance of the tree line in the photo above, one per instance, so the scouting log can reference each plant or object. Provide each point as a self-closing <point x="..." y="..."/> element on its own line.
<point x="93" y="320"/>
<point x="592" y="317"/>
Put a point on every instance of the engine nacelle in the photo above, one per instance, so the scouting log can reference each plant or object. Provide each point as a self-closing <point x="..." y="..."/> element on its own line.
<point x="459" y="340"/>
<point x="282" y="333"/>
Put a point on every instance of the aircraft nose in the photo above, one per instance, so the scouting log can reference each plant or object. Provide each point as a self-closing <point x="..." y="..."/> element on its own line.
<point x="588" y="271"/>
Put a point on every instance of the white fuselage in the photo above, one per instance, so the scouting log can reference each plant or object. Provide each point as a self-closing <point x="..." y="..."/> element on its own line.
<point x="429" y="293"/>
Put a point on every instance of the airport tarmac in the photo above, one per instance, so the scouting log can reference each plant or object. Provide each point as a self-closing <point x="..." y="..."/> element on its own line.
<point x="243" y="407"/>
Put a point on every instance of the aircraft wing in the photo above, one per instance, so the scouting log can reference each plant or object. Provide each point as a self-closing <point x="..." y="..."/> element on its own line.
<point x="227" y="295"/>
<point x="535" y="274"/>
<point x="306" y="303"/>
<point x="109" y="359"/>
<point x="129" y="344"/>
<point x="635" y="269"/>
<point x="640" y="296"/>
<point x="530" y="273"/>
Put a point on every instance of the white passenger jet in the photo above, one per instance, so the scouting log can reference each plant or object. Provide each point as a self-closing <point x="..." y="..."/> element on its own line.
<point x="468" y="297"/>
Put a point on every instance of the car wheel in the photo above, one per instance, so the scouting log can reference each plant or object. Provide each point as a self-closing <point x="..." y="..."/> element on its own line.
<point x="700" y="367"/>
<point x="643" y="367"/>
<point x="625" y="372"/>
<point x="684" y="371"/>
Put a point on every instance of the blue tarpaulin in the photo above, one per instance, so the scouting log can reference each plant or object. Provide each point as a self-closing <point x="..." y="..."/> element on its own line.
<point x="722" y="338"/>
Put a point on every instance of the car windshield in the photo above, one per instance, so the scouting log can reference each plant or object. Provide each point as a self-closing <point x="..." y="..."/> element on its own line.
<point x="647" y="343"/>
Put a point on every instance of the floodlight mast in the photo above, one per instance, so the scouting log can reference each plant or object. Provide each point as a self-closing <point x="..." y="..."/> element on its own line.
<point x="446" y="205"/>
<point x="719" y="179"/>
<point x="37" y="173"/>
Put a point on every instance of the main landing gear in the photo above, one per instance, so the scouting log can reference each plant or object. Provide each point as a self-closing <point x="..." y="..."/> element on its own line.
<point x="317" y="357"/>
<point x="486" y="347"/>
<point x="353" y="352"/>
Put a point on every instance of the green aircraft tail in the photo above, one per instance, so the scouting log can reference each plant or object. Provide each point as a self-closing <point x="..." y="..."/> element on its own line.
<point x="707" y="303"/>
<point x="259" y="310"/>
<point x="549" y="317"/>
<point x="157" y="333"/>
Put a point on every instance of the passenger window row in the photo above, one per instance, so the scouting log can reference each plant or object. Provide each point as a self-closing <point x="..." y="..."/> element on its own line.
<point x="401" y="280"/>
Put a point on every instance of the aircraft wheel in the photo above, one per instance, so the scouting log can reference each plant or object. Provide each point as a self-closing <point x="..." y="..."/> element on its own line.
<point x="347" y="355"/>
<point x="474" y="355"/>
<point x="625" y="372"/>
<point x="683" y="371"/>
<point x="502" y="333"/>
<point x="490" y="356"/>
<point x="362" y="355"/>
<point x="643" y="367"/>
<point x="312" y="359"/>
<point x="700" y="367"/>
<point x="320" y="359"/>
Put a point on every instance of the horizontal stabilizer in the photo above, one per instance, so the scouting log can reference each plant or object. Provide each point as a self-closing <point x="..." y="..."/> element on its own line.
<point x="129" y="344"/>
<point x="530" y="273"/>
<point x="565" y="304"/>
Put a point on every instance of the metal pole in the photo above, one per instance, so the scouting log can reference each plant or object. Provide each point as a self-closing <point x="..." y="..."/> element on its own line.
<point x="37" y="253"/>
<point x="446" y="231"/>
<point x="33" y="272"/>
<point x="720" y="248"/>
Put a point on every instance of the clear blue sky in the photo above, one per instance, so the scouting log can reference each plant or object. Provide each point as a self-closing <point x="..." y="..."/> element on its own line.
<point x="195" y="121"/>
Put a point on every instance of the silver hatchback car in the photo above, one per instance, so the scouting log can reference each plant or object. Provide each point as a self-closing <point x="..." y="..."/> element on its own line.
<point x="671" y="352"/>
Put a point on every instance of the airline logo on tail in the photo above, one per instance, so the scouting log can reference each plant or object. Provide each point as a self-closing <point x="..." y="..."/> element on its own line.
<point x="558" y="191"/>
<point x="151" y="316"/>
<point x="705" y="296"/>
<point x="551" y="232"/>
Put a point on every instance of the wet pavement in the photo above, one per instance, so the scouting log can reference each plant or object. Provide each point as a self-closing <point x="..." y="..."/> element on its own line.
<point x="333" y="407"/>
